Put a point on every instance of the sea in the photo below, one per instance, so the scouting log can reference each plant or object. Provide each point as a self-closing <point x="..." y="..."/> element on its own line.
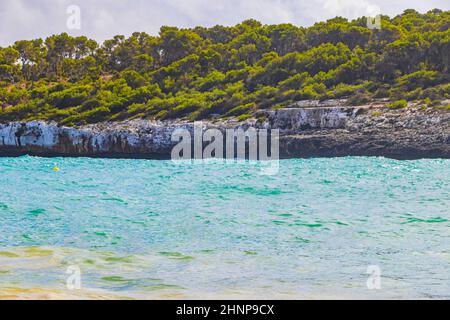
<point x="321" y="228"/>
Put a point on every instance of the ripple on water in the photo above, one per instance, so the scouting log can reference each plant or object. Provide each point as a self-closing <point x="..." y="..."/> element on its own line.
<point x="419" y="220"/>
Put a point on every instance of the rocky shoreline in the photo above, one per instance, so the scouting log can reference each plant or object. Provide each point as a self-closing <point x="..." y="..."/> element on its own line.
<point x="323" y="130"/>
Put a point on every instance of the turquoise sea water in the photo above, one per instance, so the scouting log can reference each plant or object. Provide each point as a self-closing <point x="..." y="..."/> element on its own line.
<point x="157" y="229"/>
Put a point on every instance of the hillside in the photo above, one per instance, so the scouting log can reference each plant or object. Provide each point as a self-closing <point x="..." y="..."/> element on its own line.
<point x="225" y="72"/>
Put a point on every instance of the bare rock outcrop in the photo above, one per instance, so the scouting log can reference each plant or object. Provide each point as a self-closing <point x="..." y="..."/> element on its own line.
<point x="327" y="129"/>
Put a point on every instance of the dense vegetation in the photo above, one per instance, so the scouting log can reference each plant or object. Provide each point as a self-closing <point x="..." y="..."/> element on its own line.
<point x="225" y="71"/>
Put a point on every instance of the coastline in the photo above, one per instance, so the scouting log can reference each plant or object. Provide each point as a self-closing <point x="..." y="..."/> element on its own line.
<point x="325" y="130"/>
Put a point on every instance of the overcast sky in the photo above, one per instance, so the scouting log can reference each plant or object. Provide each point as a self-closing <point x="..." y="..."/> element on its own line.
<point x="102" y="19"/>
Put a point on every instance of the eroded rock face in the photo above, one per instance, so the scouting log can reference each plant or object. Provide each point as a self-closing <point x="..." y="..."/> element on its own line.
<point x="294" y="120"/>
<point x="136" y="138"/>
<point x="366" y="131"/>
<point x="125" y="138"/>
<point x="305" y="132"/>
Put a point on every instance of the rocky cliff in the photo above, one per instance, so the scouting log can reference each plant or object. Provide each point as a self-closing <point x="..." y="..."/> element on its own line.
<point x="364" y="131"/>
<point x="305" y="131"/>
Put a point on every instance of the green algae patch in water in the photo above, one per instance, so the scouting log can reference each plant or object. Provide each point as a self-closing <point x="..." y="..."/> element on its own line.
<point x="37" y="252"/>
<point x="7" y="254"/>
<point x="120" y="259"/>
<point x="161" y="286"/>
<point x="116" y="279"/>
<point x="89" y="261"/>
<point x="176" y="255"/>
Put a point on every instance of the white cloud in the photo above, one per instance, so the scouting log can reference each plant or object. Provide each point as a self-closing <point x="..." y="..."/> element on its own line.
<point x="348" y="8"/>
<point x="102" y="19"/>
